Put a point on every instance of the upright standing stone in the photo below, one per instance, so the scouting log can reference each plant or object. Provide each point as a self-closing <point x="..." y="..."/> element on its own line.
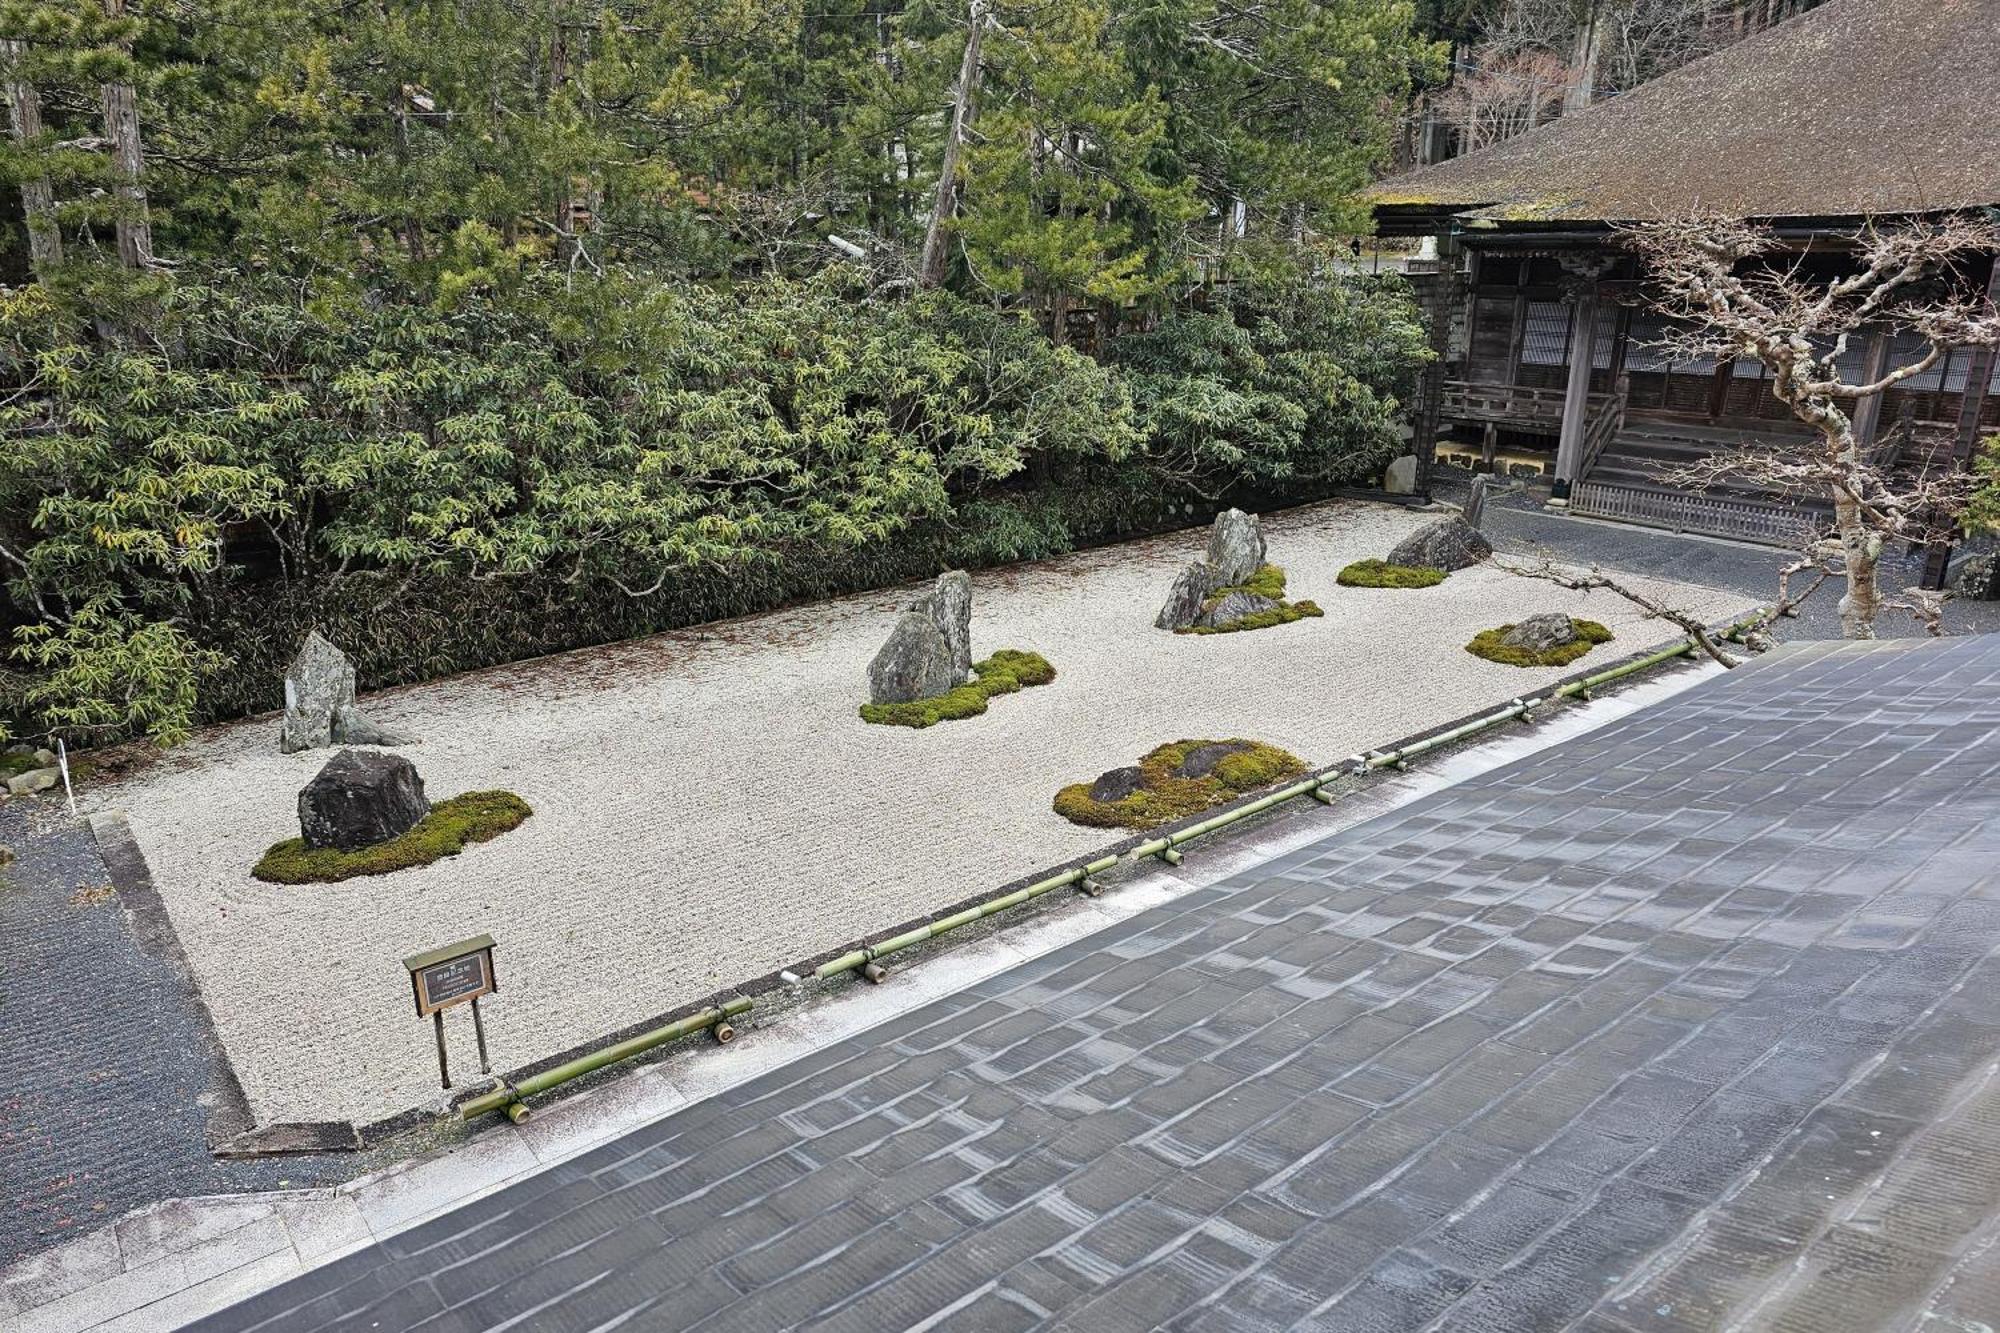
<point x="360" y="798"/>
<point x="319" y="703"/>
<point x="1475" y="502"/>
<point x="1400" y="477"/>
<point x="1184" y="601"/>
<point x="1235" y="547"/>
<point x="915" y="663"/>
<point x="949" y="605"/>
<point x="319" y="684"/>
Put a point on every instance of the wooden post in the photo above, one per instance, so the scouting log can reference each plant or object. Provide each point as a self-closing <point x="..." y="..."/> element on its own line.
<point x="1576" y="394"/>
<point x="1868" y="411"/>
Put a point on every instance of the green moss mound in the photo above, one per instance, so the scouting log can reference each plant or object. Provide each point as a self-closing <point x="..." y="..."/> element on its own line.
<point x="1268" y="581"/>
<point x="14" y="765"/>
<point x="1163" y="797"/>
<point x="1006" y="672"/>
<point x="1487" y="644"/>
<point x="476" y="816"/>
<point x="1382" y="574"/>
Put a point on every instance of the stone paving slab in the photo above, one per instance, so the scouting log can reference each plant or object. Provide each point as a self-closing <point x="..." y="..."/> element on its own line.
<point x="710" y="809"/>
<point x="1685" y="1024"/>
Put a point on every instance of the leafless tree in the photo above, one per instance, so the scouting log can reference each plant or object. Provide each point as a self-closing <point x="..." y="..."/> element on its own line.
<point x="1730" y="290"/>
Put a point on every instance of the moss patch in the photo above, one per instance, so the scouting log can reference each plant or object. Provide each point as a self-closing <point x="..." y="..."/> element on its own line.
<point x="1267" y="582"/>
<point x="1163" y="797"/>
<point x="1005" y="672"/>
<point x="1382" y="574"/>
<point x="14" y="765"/>
<point x="476" y="816"/>
<point x="1487" y="644"/>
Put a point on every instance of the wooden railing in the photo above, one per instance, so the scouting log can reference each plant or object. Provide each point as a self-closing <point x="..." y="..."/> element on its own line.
<point x="1507" y="404"/>
<point x="1604" y="427"/>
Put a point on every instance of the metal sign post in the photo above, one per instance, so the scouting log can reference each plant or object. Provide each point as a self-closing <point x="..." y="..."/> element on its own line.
<point x="455" y="974"/>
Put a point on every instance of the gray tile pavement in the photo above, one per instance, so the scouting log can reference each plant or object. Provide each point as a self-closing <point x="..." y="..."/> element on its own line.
<point x="1685" y="1024"/>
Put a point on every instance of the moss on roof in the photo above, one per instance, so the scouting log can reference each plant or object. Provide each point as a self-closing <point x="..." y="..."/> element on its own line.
<point x="1855" y="107"/>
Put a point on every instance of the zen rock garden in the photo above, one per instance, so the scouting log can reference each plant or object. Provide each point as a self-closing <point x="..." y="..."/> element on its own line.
<point x="365" y="812"/>
<point x="1233" y="588"/>
<point x="924" y="672"/>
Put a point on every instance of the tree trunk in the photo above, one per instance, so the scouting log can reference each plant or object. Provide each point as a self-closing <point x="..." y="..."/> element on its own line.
<point x="965" y="98"/>
<point x="128" y="160"/>
<point x="38" y="202"/>
<point x="1589" y="51"/>
<point x="1860" y="548"/>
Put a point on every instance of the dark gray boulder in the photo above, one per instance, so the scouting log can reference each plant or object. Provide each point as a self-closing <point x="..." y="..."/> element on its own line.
<point x="915" y="663"/>
<point x="360" y="798"/>
<point x="1202" y="759"/>
<point x="1235" y="547"/>
<point x="1232" y="607"/>
<point x="1541" y="633"/>
<point x="1448" y="543"/>
<point x="1190" y="590"/>
<point x="1117" y="784"/>
<point x="949" y="605"/>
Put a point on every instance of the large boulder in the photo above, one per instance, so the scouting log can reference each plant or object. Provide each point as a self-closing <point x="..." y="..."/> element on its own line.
<point x="1191" y="588"/>
<point x="1541" y="633"/>
<point x="1448" y="543"/>
<point x="1232" y="607"/>
<point x="360" y="798"/>
<point x="949" y="605"/>
<point x="915" y="663"/>
<point x="1235" y="547"/>
<point x="319" y="702"/>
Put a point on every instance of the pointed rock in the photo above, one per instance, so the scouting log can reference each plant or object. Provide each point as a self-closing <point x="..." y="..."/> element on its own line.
<point x="915" y="663"/>
<point x="949" y="605"/>
<point x="1235" y="547"/>
<point x="1190" y="590"/>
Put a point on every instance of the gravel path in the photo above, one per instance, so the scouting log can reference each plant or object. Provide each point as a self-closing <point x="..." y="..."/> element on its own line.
<point x="709" y="808"/>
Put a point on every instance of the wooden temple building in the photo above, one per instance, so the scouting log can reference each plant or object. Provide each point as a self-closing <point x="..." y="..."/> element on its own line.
<point x="1548" y="356"/>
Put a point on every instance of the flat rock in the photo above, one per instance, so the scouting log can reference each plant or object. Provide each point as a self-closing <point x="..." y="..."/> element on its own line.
<point x="1235" y="547"/>
<point x="1231" y="607"/>
<point x="1447" y="543"/>
<point x="1117" y="784"/>
<point x="1202" y="759"/>
<point x="1540" y="633"/>
<point x="1191" y="588"/>
<point x="360" y="798"/>
<point x="32" y="781"/>
<point x="949" y="605"/>
<point x="914" y="663"/>
<point x="1400" y="477"/>
<point x="353" y="727"/>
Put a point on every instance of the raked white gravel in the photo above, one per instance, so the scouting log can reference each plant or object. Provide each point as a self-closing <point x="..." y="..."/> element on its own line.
<point x="709" y="808"/>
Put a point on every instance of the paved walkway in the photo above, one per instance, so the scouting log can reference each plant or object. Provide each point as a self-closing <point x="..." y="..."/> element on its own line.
<point x="109" y="1073"/>
<point x="709" y="809"/>
<point x="1685" y="1024"/>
